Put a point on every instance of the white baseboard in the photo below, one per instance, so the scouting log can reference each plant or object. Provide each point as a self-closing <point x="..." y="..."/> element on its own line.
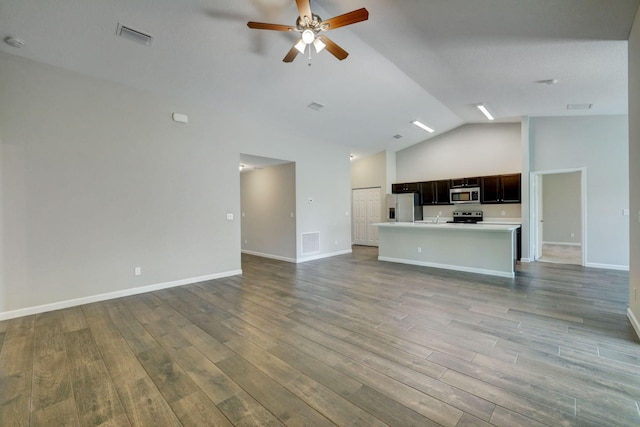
<point x="6" y="315"/>
<point x="562" y="243"/>
<point x="300" y="260"/>
<point x="449" y="267"/>
<point x="329" y="255"/>
<point x="525" y="260"/>
<point x="607" y="266"/>
<point x="634" y="321"/>
<point x="263" y="255"/>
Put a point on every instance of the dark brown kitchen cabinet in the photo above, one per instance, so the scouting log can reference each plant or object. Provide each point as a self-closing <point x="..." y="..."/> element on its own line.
<point x="408" y="187"/>
<point x="435" y="192"/>
<point x="500" y="189"/>
<point x="465" y="182"/>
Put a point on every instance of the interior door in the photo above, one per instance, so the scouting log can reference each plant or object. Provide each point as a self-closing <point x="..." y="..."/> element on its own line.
<point x="374" y="208"/>
<point x="367" y="208"/>
<point x="359" y="201"/>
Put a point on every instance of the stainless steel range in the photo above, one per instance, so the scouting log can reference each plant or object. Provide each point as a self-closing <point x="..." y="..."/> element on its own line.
<point x="466" y="217"/>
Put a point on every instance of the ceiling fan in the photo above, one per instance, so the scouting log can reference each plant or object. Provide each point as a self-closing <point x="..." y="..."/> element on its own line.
<point x="310" y="26"/>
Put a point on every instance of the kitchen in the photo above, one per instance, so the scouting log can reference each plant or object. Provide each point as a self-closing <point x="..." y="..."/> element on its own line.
<point x="466" y="241"/>
<point x="528" y="147"/>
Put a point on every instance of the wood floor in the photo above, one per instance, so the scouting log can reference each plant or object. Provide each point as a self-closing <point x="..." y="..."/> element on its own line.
<point x="561" y="254"/>
<point x="346" y="341"/>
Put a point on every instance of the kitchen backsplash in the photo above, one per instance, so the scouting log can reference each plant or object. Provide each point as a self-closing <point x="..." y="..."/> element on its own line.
<point x="489" y="211"/>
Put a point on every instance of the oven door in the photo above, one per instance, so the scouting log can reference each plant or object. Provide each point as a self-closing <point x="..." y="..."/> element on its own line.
<point x="464" y="195"/>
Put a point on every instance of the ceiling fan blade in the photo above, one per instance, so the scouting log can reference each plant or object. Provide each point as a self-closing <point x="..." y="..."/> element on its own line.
<point x="333" y="48"/>
<point x="304" y="8"/>
<point x="347" y="19"/>
<point x="266" y="26"/>
<point x="291" y="55"/>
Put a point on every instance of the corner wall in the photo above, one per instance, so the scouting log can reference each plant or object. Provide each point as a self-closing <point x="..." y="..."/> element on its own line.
<point x="601" y="145"/>
<point x="634" y="174"/>
<point x="96" y="179"/>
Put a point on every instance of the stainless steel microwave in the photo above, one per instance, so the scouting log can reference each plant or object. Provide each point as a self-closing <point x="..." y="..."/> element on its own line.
<point x="464" y="195"/>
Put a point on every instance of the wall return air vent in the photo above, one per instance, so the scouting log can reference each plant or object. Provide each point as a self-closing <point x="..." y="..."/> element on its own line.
<point x="134" y="35"/>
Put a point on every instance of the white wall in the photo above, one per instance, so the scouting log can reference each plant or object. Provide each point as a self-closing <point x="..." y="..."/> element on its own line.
<point x="97" y="180"/>
<point x="561" y="208"/>
<point x="600" y="144"/>
<point x="268" y="204"/>
<point x="634" y="172"/>
<point x="467" y="151"/>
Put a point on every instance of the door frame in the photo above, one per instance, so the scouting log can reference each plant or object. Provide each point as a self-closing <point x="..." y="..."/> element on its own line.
<point x="535" y="209"/>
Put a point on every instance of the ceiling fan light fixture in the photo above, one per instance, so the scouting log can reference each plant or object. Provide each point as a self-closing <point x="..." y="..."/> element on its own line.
<point x="484" y="110"/>
<point x="422" y="126"/>
<point x="301" y="46"/>
<point x="308" y="36"/>
<point x="319" y="45"/>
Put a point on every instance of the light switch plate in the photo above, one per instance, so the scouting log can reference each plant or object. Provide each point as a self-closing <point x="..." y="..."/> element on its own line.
<point x="230" y="217"/>
<point x="625" y="212"/>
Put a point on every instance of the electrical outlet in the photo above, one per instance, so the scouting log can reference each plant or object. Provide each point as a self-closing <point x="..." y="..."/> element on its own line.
<point x="419" y="250"/>
<point x="503" y="213"/>
<point x="137" y="271"/>
<point x="573" y="234"/>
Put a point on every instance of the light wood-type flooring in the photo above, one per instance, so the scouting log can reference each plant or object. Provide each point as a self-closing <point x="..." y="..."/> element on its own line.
<point x="346" y="341"/>
<point x="561" y="254"/>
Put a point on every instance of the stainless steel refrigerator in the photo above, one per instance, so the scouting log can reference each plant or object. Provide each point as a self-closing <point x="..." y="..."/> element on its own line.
<point x="408" y="208"/>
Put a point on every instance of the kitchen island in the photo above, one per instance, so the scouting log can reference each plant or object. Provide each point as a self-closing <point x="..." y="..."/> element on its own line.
<point x="477" y="248"/>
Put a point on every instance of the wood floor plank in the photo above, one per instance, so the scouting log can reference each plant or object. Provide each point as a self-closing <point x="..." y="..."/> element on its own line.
<point x="345" y="340"/>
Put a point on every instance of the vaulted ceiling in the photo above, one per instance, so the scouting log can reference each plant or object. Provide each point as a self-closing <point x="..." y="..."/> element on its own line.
<point x="431" y="60"/>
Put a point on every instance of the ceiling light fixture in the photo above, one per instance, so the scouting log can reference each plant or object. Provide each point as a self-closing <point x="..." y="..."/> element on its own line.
<point x="484" y="110"/>
<point x="422" y="126"/>
<point x="579" y="106"/>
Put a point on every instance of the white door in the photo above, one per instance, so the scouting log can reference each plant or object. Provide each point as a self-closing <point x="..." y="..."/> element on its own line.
<point x="373" y="215"/>
<point x="359" y="217"/>
<point x="367" y="208"/>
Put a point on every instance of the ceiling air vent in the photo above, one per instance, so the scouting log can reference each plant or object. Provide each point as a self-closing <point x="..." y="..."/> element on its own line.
<point x="579" y="106"/>
<point x="134" y="35"/>
<point x="315" y="106"/>
<point x="397" y="136"/>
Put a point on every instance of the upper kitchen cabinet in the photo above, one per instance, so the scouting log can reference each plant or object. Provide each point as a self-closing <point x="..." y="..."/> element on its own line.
<point x="435" y="192"/>
<point x="466" y="182"/>
<point x="410" y="187"/>
<point x="500" y="189"/>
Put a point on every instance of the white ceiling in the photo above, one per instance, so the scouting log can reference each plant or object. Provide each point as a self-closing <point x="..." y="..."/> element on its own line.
<point x="431" y="60"/>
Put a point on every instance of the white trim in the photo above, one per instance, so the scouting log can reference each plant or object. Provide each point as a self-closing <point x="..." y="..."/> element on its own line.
<point x="525" y="260"/>
<point x="449" y="267"/>
<point x="263" y="255"/>
<point x="111" y="295"/>
<point x="634" y="321"/>
<point x="329" y="255"/>
<point x="533" y="214"/>
<point x="562" y="243"/>
<point x="607" y="266"/>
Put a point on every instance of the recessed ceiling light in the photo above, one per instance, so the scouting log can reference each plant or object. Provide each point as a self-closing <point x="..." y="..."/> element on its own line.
<point x="422" y="126"/>
<point x="16" y="42"/>
<point x="484" y="110"/>
<point x="579" y="106"/>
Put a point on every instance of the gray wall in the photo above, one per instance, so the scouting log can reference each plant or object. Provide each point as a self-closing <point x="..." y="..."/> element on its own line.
<point x="469" y="150"/>
<point x="634" y="171"/>
<point x="561" y="208"/>
<point x="97" y="180"/>
<point x="268" y="204"/>
<point x="599" y="144"/>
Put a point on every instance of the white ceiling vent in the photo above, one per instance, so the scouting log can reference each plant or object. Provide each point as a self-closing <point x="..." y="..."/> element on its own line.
<point x="397" y="136"/>
<point x="315" y="106"/>
<point x="579" y="106"/>
<point x="134" y="35"/>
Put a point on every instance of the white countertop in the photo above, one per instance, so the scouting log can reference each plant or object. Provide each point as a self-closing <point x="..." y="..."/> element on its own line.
<point x="484" y="226"/>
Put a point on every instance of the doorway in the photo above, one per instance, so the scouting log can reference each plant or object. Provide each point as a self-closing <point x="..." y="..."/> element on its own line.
<point x="559" y="216"/>
<point x="367" y="208"/>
